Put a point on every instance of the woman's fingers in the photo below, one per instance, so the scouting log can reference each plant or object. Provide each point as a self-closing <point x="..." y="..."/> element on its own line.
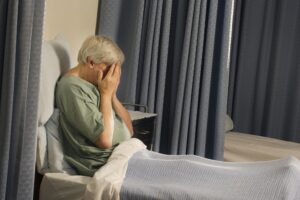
<point x="118" y="74"/>
<point x="100" y="75"/>
<point x="117" y="71"/>
<point x="118" y="68"/>
<point x="111" y="70"/>
<point x="114" y="72"/>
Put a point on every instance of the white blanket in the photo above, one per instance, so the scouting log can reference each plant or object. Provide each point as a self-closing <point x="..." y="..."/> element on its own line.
<point x="149" y="174"/>
<point x="107" y="181"/>
<point x="145" y="168"/>
<point x="153" y="175"/>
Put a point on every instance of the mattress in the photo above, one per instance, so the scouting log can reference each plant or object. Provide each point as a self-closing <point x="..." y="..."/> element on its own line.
<point x="242" y="147"/>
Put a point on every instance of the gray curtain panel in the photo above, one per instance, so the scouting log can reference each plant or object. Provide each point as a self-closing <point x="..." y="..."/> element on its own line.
<point x="21" y="24"/>
<point x="177" y="59"/>
<point x="264" y="92"/>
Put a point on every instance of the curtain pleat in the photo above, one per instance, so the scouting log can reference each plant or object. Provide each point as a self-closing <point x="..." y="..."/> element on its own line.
<point x="162" y="69"/>
<point x="205" y="86"/>
<point x="154" y="62"/>
<point x="20" y="61"/>
<point x="180" y="89"/>
<point x="190" y="79"/>
<point x="149" y="61"/>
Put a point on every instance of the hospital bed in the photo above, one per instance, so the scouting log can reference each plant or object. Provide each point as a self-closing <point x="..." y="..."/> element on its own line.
<point x="133" y="172"/>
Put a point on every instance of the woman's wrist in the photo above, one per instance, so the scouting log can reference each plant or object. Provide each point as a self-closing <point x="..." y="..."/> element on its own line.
<point x="115" y="99"/>
<point x="106" y="97"/>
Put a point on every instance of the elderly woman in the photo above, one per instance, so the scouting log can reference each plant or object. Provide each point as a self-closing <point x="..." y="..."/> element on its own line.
<point x="92" y="119"/>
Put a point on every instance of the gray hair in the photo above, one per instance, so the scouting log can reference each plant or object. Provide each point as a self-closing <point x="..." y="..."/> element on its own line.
<point x="100" y="49"/>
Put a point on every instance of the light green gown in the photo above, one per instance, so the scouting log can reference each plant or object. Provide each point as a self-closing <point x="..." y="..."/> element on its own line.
<point x="81" y="124"/>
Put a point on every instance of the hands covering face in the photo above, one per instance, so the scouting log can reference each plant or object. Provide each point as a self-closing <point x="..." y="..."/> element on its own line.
<point x="109" y="83"/>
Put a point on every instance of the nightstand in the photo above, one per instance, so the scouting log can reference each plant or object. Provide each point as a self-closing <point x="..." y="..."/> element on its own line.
<point x="143" y="126"/>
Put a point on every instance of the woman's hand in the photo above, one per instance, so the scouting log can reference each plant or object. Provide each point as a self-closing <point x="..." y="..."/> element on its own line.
<point x="118" y="67"/>
<point x="109" y="84"/>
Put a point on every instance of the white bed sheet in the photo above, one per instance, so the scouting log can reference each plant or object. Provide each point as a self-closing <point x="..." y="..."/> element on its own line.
<point x="242" y="147"/>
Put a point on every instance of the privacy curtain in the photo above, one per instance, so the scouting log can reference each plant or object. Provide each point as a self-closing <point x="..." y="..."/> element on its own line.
<point x="264" y="94"/>
<point x="21" y="24"/>
<point x="177" y="59"/>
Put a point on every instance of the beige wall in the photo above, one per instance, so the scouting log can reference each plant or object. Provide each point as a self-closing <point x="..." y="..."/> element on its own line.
<point x="75" y="19"/>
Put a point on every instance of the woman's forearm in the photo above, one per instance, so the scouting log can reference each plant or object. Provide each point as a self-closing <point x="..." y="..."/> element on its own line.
<point x="105" y="107"/>
<point x="122" y="112"/>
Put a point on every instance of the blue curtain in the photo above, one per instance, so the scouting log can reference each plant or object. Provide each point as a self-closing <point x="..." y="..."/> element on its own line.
<point x="177" y="59"/>
<point x="264" y="91"/>
<point x="21" y="24"/>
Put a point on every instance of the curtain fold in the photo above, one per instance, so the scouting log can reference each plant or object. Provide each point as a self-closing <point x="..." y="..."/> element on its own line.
<point x="177" y="58"/>
<point x="21" y="26"/>
<point x="264" y="81"/>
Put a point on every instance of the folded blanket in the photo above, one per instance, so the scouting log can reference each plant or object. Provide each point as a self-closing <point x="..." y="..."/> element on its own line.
<point x="107" y="181"/>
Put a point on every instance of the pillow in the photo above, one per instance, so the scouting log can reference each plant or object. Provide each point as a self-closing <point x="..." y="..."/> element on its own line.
<point x="228" y="124"/>
<point x="41" y="154"/>
<point x="63" y="52"/>
<point x="55" y="61"/>
<point x="56" y="162"/>
<point x="49" y="74"/>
